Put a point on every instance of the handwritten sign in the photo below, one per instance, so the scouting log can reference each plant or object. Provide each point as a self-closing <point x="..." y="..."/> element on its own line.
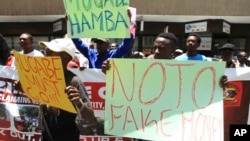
<point x="42" y="79"/>
<point x="97" y="18"/>
<point x="164" y="100"/>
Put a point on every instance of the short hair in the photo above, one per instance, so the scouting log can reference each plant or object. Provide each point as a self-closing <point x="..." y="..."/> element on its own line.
<point x="170" y="36"/>
<point x="198" y="37"/>
<point x="29" y="35"/>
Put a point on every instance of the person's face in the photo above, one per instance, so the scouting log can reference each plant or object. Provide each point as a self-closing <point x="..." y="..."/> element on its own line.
<point x="101" y="46"/>
<point x="112" y="46"/>
<point x="192" y="43"/>
<point x="92" y="45"/>
<point x="227" y="54"/>
<point x="25" y="41"/>
<point x="242" y="57"/>
<point x="65" y="57"/>
<point x="137" y="54"/>
<point x="163" y="48"/>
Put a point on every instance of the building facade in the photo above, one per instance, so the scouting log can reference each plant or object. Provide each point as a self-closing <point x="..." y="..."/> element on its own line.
<point x="217" y="22"/>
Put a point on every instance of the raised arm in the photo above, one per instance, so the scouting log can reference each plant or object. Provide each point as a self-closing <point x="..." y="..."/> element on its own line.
<point x="124" y="48"/>
<point x="81" y="46"/>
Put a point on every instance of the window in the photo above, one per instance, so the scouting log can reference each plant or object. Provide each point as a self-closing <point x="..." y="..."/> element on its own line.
<point x="240" y="43"/>
<point x="148" y="41"/>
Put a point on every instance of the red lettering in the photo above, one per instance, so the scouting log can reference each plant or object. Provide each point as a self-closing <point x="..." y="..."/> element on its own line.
<point x="180" y="79"/>
<point x="163" y="124"/>
<point x="127" y="120"/>
<point x="113" y="116"/>
<point x="121" y="83"/>
<point x="162" y="82"/>
<point x="210" y="94"/>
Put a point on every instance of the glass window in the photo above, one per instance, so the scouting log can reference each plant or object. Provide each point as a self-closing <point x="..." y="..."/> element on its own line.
<point x="37" y="39"/>
<point x="8" y="41"/>
<point x="240" y="43"/>
<point x="148" y="41"/>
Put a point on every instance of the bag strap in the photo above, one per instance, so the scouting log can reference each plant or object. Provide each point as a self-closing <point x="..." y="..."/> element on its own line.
<point x="44" y="123"/>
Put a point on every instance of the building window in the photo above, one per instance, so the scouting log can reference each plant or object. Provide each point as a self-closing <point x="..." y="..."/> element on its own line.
<point x="148" y="41"/>
<point x="240" y="43"/>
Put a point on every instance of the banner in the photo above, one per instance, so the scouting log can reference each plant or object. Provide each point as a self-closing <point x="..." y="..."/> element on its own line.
<point x="98" y="19"/>
<point x="19" y="113"/>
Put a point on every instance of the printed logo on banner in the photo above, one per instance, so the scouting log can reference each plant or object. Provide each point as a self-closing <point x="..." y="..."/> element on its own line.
<point x="233" y="93"/>
<point x="96" y="92"/>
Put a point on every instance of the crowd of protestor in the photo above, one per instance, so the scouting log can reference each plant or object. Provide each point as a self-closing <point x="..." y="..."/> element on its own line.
<point x="165" y="46"/>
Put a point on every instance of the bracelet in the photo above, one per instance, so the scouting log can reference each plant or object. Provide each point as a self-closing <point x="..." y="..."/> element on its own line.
<point x="82" y="106"/>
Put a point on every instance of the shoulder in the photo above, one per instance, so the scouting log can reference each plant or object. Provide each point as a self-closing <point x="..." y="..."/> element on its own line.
<point x="204" y="58"/>
<point x="38" y="53"/>
<point x="181" y="57"/>
<point x="72" y="79"/>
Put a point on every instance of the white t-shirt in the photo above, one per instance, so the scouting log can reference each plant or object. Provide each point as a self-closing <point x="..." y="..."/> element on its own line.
<point x="34" y="53"/>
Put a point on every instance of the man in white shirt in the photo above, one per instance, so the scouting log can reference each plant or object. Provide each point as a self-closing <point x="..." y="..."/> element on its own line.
<point x="26" y="42"/>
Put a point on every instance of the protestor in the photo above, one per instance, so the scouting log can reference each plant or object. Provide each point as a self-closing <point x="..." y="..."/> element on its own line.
<point x="113" y="46"/>
<point x="192" y="43"/>
<point x="63" y="127"/>
<point x="26" y="43"/>
<point x="242" y="60"/>
<point x="227" y="52"/>
<point x="164" y="45"/>
<point x="6" y="57"/>
<point x="58" y="124"/>
<point x="230" y="91"/>
<point x="79" y="61"/>
<point x="97" y="56"/>
<point x="137" y="54"/>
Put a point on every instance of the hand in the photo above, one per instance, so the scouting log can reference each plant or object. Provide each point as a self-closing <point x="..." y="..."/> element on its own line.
<point x="129" y="14"/>
<point x="74" y="96"/>
<point x="223" y="81"/>
<point x="17" y="86"/>
<point x="105" y="66"/>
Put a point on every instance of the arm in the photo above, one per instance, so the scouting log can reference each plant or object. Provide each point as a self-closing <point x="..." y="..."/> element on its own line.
<point x="81" y="46"/>
<point x="4" y="50"/>
<point x="124" y="48"/>
<point x="78" y="96"/>
<point x="106" y="65"/>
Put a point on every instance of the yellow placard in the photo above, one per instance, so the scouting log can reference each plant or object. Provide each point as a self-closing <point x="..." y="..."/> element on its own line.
<point x="42" y="80"/>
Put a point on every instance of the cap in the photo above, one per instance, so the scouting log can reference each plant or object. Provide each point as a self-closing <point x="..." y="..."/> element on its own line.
<point x="102" y="39"/>
<point x="178" y="50"/>
<point x="60" y="45"/>
<point x="228" y="46"/>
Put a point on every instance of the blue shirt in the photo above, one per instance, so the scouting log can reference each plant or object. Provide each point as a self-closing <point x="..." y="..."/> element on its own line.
<point x="92" y="54"/>
<point x="184" y="57"/>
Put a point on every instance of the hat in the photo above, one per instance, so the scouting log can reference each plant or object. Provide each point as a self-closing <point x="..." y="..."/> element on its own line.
<point x="60" y="45"/>
<point x="228" y="46"/>
<point x="102" y="39"/>
<point x="178" y="50"/>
